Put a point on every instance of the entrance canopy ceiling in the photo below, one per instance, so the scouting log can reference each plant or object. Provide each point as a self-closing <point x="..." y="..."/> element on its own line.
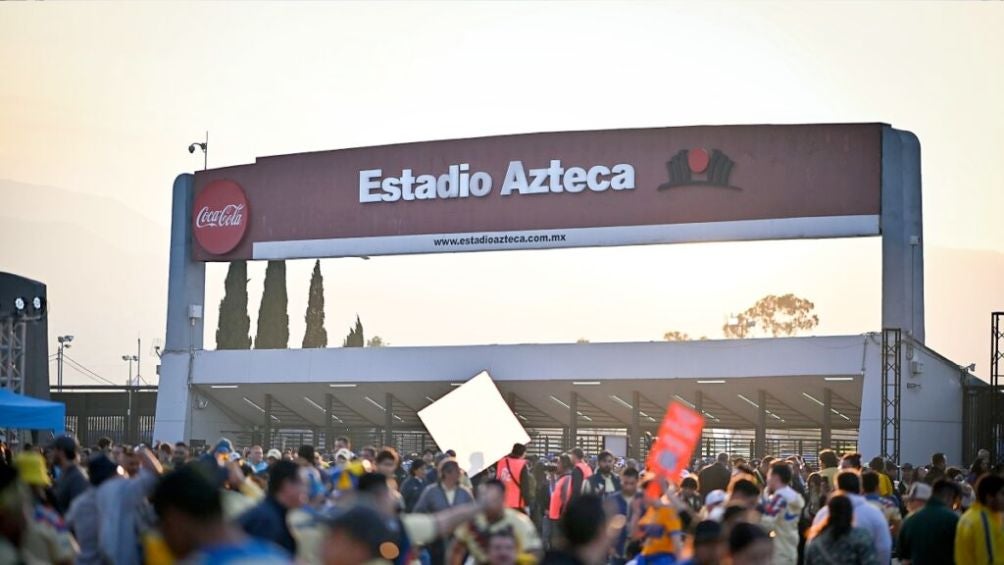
<point x="728" y="379"/>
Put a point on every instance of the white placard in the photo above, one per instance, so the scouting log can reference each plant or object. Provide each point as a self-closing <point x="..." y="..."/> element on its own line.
<point x="616" y="445"/>
<point x="474" y="421"/>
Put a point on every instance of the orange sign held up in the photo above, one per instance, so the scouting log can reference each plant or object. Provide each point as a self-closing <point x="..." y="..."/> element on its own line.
<point x="678" y="435"/>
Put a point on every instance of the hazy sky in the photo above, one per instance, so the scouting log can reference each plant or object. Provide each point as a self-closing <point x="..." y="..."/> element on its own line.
<point x="101" y="100"/>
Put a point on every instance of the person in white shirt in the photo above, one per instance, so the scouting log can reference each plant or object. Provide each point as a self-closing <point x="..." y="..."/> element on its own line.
<point x="781" y="511"/>
<point x="865" y="515"/>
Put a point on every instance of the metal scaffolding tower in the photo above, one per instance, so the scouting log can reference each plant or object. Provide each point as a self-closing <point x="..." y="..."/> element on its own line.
<point x="12" y="354"/>
<point x="996" y="356"/>
<point x="891" y="389"/>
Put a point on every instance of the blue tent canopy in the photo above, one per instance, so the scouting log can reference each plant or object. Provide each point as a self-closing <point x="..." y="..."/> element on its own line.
<point x="28" y="413"/>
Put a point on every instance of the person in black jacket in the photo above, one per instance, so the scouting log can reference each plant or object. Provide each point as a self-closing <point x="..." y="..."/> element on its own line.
<point x="72" y="480"/>
<point x="715" y="476"/>
<point x="267" y="520"/>
<point x="413" y="486"/>
<point x="604" y="481"/>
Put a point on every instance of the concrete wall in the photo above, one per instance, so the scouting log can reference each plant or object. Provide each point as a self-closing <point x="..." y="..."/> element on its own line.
<point x="930" y="414"/>
<point x="209" y="422"/>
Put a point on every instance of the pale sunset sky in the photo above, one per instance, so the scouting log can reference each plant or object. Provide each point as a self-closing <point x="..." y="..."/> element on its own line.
<point x="99" y="101"/>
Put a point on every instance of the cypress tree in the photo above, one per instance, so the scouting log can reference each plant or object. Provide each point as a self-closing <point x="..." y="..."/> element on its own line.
<point x="234" y="324"/>
<point x="316" y="335"/>
<point x="273" y="320"/>
<point x="355" y="337"/>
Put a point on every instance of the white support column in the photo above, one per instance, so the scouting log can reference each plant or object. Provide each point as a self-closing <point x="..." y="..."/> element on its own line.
<point x="186" y="288"/>
<point x="902" y="234"/>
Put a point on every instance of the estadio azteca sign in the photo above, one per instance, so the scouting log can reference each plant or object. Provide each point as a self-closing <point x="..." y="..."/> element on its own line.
<point x="565" y="189"/>
<point x="220" y="216"/>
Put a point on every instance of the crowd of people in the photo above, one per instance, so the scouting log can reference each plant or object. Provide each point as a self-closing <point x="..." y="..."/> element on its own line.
<point x="114" y="504"/>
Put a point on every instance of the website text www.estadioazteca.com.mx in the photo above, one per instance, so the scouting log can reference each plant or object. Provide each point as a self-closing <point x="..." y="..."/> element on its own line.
<point x="498" y="240"/>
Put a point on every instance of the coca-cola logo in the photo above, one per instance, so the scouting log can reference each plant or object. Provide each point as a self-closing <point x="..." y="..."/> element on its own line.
<point x="220" y="216"/>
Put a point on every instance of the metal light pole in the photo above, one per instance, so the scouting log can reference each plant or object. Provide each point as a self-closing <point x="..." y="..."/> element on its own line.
<point x="204" y="146"/>
<point x="129" y="386"/>
<point x="64" y="342"/>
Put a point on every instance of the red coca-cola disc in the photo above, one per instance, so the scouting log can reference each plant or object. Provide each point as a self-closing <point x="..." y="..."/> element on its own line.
<point x="220" y="216"/>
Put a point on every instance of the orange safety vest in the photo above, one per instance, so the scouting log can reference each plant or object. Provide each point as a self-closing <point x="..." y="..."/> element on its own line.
<point x="586" y="470"/>
<point x="509" y="470"/>
<point x="562" y="492"/>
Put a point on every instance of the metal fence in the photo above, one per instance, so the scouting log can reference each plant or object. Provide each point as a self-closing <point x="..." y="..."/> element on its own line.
<point x="980" y="429"/>
<point x="96" y="412"/>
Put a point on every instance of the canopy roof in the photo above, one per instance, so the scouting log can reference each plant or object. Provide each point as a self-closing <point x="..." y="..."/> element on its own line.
<point x="27" y="413"/>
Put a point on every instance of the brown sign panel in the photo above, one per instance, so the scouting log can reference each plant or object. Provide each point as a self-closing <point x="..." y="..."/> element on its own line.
<point x="563" y="189"/>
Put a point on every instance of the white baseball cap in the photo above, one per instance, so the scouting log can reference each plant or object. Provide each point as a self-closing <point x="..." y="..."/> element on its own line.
<point x="714" y="497"/>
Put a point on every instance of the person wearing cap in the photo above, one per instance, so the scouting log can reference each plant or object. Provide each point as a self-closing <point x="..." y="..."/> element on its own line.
<point x="48" y="538"/>
<point x="928" y="535"/>
<point x="357" y="536"/>
<point x="714" y="505"/>
<point x="72" y="480"/>
<point x="223" y="451"/>
<point x="80" y="518"/>
<point x="273" y="456"/>
<point x="343" y="456"/>
<point x="917" y="497"/>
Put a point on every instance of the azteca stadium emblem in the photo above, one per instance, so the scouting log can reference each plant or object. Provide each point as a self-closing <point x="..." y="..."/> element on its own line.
<point x="695" y="167"/>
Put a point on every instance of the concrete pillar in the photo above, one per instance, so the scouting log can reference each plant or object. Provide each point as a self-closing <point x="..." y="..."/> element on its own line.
<point x="388" y="427"/>
<point x="573" y="418"/>
<point x="186" y="287"/>
<point x="635" y="439"/>
<point x="267" y="443"/>
<point x="760" y="441"/>
<point x="826" y="433"/>
<point x="902" y="234"/>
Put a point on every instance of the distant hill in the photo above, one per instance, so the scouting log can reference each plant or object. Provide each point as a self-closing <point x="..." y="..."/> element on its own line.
<point x="105" y="266"/>
<point x="962" y="287"/>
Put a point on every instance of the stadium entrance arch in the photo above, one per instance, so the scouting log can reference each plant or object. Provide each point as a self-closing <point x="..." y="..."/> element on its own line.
<point x="570" y="189"/>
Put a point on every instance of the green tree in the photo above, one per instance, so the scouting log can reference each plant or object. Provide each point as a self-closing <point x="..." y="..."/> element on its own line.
<point x="376" y="341"/>
<point x="675" y="336"/>
<point x="234" y="325"/>
<point x="784" y="315"/>
<point x="315" y="335"/>
<point x="355" y="337"/>
<point x="273" y="320"/>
